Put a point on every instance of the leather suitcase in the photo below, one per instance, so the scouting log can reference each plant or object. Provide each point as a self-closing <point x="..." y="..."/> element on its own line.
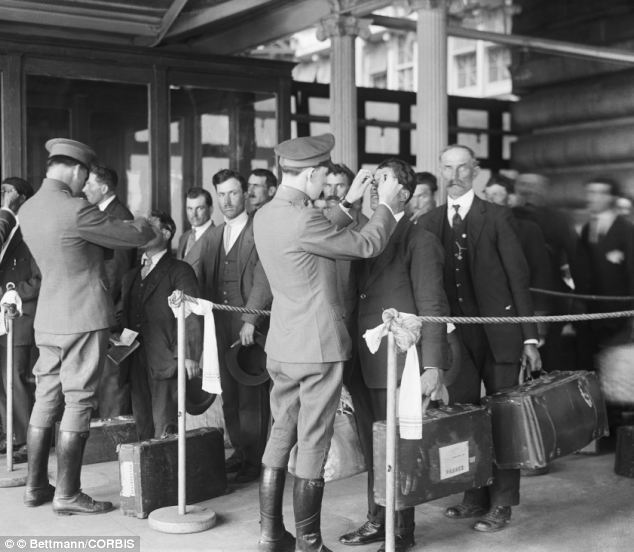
<point x="455" y="454"/>
<point x="554" y="415"/>
<point x="148" y="471"/>
<point x="105" y="436"/>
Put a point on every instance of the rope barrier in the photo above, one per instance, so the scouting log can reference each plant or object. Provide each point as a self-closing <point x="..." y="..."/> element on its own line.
<point x="586" y="297"/>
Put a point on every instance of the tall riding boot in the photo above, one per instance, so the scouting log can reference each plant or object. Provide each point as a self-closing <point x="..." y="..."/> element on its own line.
<point x="68" y="498"/>
<point x="273" y="536"/>
<point x="307" y="495"/>
<point x="38" y="444"/>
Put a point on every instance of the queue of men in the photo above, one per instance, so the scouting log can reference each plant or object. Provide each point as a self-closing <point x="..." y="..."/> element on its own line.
<point x="303" y="249"/>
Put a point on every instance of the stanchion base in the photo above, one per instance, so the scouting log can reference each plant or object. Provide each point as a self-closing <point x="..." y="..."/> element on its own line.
<point x="15" y="478"/>
<point x="195" y="520"/>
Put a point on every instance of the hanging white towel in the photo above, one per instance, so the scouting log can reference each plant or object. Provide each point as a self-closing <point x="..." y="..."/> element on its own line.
<point x="410" y="407"/>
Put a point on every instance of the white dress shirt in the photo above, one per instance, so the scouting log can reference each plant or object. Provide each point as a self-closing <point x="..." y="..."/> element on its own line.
<point x="464" y="203"/>
<point x="105" y="202"/>
<point x="200" y="230"/>
<point x="234" y="226"/>
<point x="154" y="259"/>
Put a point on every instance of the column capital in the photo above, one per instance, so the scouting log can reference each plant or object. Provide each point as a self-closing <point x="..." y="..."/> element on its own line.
<point x="416" y="5"/>
<point x="337" y="25"/>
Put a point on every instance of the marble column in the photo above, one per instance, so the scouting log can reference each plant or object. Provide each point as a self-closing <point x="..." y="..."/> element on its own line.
<point x="431" y="96"/>
<point x="342" y="31"/>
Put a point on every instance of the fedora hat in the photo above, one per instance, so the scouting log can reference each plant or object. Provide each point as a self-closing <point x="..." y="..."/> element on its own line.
<point x="197" y="401"/>
<point x="248" y="364"/>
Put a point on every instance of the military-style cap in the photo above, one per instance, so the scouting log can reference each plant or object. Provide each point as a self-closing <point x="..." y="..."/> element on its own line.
<point x="306" y="151"/>
<point x="71" y="148"/>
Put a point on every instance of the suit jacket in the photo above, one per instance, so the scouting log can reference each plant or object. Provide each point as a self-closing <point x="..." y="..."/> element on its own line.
<point x="254" y="286"/>
<point x="67" y="236"/>
<point x="195" y="253"/>
<point x="122" y="259"/>
<point x="407" y="276"/>
<point x="7" y="223"/>
<point x="498" y="270"/>
<point x="298" y="246"/>
<point x="158" y="329"/>
<point x="19" y="267"/>
<point x="610" y="270"/>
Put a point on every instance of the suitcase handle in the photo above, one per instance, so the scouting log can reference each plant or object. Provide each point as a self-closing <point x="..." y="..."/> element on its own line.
<point x="526" y="375"/>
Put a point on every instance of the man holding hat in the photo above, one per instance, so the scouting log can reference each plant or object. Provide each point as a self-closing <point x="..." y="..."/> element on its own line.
<point x="67" y="236"/>
<point x="17" y="266"/>
<point x="308" y="341"/>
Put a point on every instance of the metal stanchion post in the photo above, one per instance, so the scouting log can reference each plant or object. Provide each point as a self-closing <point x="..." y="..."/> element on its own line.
<point x="181" y="519"/>
<point x="390" y="445"/>
<point x="15" y="476"/>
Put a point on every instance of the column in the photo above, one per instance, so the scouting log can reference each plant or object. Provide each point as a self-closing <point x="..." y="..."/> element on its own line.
<point x="431" y="96"/>
<point x="342" y="31"/>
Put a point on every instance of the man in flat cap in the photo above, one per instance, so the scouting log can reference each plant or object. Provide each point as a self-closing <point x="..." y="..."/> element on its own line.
<point x="67" y="236"/>
<point x="307" y="342"/>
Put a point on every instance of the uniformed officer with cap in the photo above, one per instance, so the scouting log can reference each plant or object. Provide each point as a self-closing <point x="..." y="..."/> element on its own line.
<point x="67" y="236"/>
<point x="307" y="342"/>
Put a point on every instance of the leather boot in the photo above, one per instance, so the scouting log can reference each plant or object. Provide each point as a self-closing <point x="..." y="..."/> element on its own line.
<point x="69" y="499"/>
<point x="273" y="536"/>
<point x="38" y="490"/>
<point x="307" y="495"/>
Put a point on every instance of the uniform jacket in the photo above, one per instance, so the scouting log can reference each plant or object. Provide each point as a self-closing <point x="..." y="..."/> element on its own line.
<point x="7" y="223"/>
<point x="298" y="246"/>
<point x="19" y="267"/>
<point x="407" y="276"/>
<point x="122" y="259"/>
<point x="254" y="286"/>
<point x="158" y="323"/>
<point x="498" y="270"/>
<point x="67" y="236"/>
<point x="195" y="253"/>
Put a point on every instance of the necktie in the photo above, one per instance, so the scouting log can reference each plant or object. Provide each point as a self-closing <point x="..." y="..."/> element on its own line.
<point x="459" y="235"/>
<point x="191" y="240"/>
<point x="456" y="219"/>
<point x="147" y="266"/>
<point x="593" y="229"/>
<point x="227" y="237"/>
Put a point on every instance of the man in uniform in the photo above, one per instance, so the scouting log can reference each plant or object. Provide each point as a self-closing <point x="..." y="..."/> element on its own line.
<point x="307" y="341"/>
<point x="231" y="273"/>
<point x="113" y="394"/>
<point x="199" y="207"/>
<point x="67" y="236"/>
<point x="485" y="274"/>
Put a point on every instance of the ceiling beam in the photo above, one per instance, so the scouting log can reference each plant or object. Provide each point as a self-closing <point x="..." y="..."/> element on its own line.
<point x="282" y="21"/>
<point x="168" y="20"/>
<point x="36" y="13"/>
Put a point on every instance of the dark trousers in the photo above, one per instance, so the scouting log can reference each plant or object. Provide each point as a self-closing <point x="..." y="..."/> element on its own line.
<point x="480" y="366"/>
<point x="370" y="406"/>
<point x="112" y="394"/>
<point x="154" y="401"/>
<point x="22" y="402"/>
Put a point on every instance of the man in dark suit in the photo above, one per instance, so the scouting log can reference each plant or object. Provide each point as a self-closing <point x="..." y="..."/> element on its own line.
<point x="113" y="394"/>
<point x="604" y="264"/>
<point x="424" y="198"/>
<point x="231" y="274"/>
<point x="17" y="266"/>
<point x="153" y="366"/>
<point x="485" y="274"/>
<point x="199" y="207"/>
<point x="67" y="237"/>
<point x="407" y="276"/>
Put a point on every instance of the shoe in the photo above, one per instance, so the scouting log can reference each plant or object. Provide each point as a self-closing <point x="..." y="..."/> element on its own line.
<point x="464" y="511"/>
<point x="401" y="543"/>
<point x="369" y="532"/>
<point x="532" y="472"/>
<point x="38" y="490"/>
<point x="273" y="535"/>
<point x="247" y="473"/>
<point x="234" y="463"/>
<point x="69" y="499"/>
<point x="20" y="454"/>
<point x="495" y="519"/>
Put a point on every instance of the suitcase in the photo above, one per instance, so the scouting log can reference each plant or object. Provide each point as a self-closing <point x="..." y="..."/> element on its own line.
<point x="624" y="457"/>
<point x="455" y="454"/>
<point x="615" y="366"/>
<point x="105" y="436"/>
<point x="148" y="471"/>
<point x="554" y="415"/>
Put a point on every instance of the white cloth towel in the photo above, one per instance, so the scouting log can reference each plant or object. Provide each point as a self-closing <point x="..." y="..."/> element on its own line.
<point x="410" y="406"/>
<point x="211" y="367"/>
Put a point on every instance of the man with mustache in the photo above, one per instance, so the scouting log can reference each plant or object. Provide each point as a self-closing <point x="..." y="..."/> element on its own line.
<point x="485" y="274"/>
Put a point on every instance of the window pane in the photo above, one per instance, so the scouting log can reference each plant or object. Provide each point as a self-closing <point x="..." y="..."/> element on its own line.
<point x="381" y="140"/>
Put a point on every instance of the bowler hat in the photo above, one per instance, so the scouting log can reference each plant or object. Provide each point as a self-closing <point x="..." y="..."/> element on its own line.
<point x="71" y="148"/>
<point x="197" y="401"/>
<point x="247" y="364"/>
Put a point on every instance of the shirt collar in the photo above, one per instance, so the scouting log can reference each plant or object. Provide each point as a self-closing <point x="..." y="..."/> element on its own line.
<point x="399" y="216"/>
<point x="155" y="258"/>
<point x="200" y="230"/>
<point x="464" y="203"/>
<point x="240" y="220"/>
<point x="105" y="202"/>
